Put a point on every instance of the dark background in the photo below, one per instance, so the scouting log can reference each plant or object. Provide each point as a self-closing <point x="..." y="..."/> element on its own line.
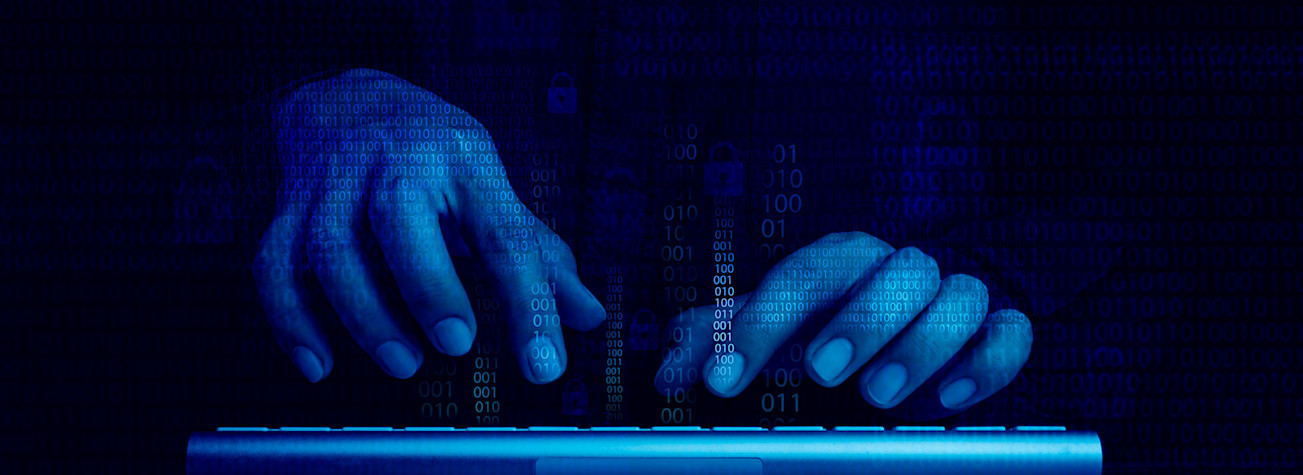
<point x="1147" y="152"/>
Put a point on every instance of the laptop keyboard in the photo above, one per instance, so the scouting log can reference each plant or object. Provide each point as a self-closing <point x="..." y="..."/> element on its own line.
<point x="547" y="450"/>
<point x="654" y="428"/>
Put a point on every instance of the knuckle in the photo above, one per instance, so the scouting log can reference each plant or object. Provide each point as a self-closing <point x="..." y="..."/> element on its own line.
<point x="920" y="264"/>
<point x="1011" y="318"/>
<point x="966" y="285"/>
<point x="928" y="262"/>
<point x="911" y="253"/>
<point x="327" y="240"/>
<point x="1011" y="324"/>
<point x="859" y="240"/>
<point x="842" y="237"/>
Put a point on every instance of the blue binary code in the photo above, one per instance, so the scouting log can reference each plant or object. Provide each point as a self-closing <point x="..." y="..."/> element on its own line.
<point x="650" y="214"/>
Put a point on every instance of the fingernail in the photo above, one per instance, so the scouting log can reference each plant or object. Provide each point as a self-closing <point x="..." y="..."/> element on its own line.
<point x="453" y="336"/>
<point x="955" y="394"/>
<point x="725" y="371"/>
<point x="545" y="363"/>
<point x="308" y="363"/>
<point x="886" y="382"/>
<point x="830" y="360"/>
<point x="398" y="359"/>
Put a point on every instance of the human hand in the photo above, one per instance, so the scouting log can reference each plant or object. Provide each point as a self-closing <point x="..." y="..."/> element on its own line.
<point x="380" y="179"/>
<point x="926" y="346"/>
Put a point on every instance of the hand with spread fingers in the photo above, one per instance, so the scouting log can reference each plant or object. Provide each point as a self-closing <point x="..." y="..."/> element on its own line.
<point x="383" y="181"/>
<point x="380" y="180"/>
<point x="919" y="345"/>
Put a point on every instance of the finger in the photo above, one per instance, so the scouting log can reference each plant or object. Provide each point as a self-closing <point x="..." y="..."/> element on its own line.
<point x="504" y="235"/>
<point x="407" y="227"/>
<point x="986" y="364"/>
<point x="927" y="343"/>
<point x="283" y="297"/>
<point x="335" y="250"/>
<point x="900" y="289"/>
<point x="578" y="307"/>
<point x="690" y="332"/>
<point x="1005" y="342"/>
<point x="811" y="281"/>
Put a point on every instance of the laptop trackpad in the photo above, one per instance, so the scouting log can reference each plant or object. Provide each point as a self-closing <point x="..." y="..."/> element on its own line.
<point x="640" y="466"/>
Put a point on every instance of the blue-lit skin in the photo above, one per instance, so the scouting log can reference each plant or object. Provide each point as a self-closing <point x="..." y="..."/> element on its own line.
<point x="885" y="313"/>
<point x="361" y="196"/>
<point x="354" y="174"/>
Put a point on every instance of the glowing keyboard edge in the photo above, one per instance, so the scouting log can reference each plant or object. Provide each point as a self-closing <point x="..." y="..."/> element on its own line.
<point x="1028" y="428"/>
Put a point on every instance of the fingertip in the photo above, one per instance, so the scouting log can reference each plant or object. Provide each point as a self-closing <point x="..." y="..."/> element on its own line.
<point x="580" y="309"/>
<point x="309" y="364"/>
<point x="596" y="310"/>
<point x="662" y="386"/>
<point x="591" y="314"/>
<point x="1004" y="343"/>
<point x="883" y="386"/>
<point x="452" y="336"/>
<point x="956" y="394"/>
<point x="543" y="360"/>
<point x="827" y="362"/>
<point x="398" y="359"/>
<point x="303" y="343"/>
<point x="724" y="374"/>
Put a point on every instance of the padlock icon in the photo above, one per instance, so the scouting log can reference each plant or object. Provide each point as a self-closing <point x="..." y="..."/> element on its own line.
<point x="724" y="178"/>
<point x="643" y="333"/>
<point x="574" y="399"/>
<point x="562" y="99"/>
